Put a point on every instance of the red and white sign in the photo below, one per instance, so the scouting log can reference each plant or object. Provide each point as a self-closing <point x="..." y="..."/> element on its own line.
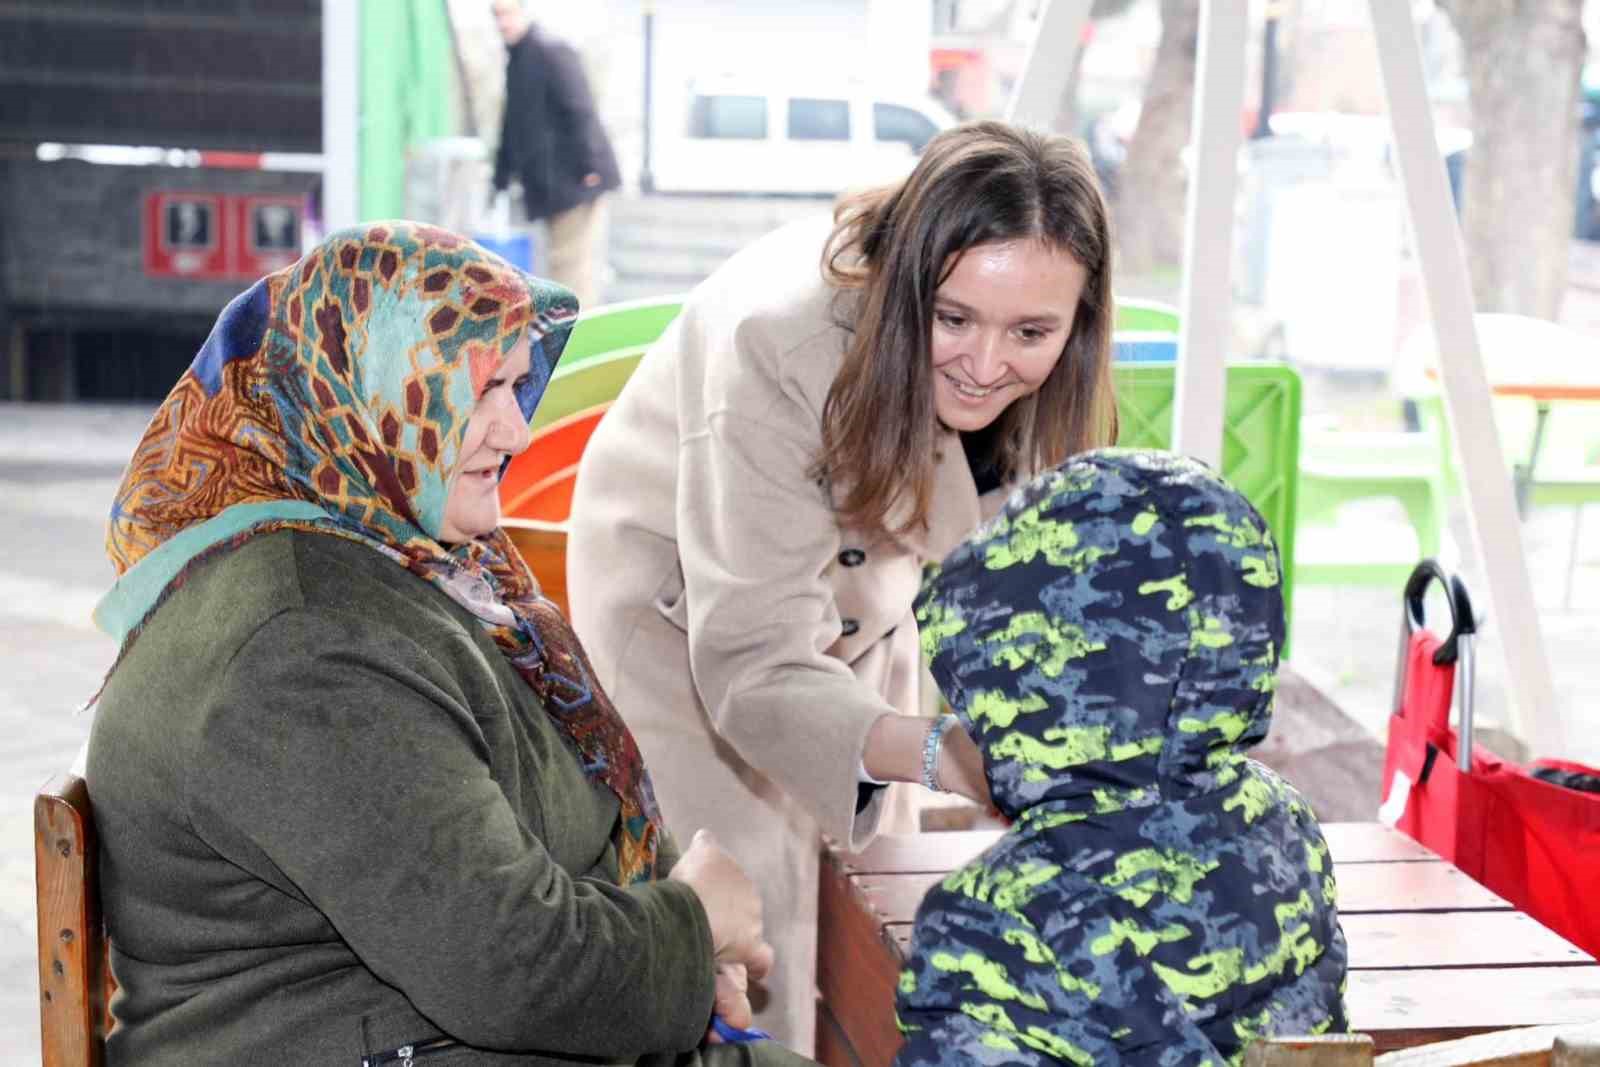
<point x="185" y="235"/>
<point x="266" y="233"/>
<point x="215" y="236"/>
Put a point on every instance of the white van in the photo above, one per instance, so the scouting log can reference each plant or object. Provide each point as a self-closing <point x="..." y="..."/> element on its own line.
<point x="808" y="140"/>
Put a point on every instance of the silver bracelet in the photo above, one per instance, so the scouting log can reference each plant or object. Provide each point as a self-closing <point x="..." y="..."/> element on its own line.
<point x="931" y="746"/>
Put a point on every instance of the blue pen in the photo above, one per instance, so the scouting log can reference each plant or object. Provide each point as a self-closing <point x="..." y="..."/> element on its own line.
<point x="732" y="1034"/>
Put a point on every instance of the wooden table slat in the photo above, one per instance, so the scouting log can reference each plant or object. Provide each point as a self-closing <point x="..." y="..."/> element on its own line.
<point x="1404" y="1008"/>
<point x="1455" y="939"/>
<point x="1411" y="886"/>
<point x="1370" y="842"/>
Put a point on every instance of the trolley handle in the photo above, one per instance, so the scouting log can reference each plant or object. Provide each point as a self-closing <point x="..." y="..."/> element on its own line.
<point x="1463" y="621"/>
<point x="1456" y="649"/>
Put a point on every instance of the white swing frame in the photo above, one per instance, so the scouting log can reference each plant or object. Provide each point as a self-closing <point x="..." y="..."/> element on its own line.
<point x="1206" y="300"/>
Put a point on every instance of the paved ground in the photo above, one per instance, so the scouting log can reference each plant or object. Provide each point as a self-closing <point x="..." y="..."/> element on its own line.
<point x="58" y="468"/>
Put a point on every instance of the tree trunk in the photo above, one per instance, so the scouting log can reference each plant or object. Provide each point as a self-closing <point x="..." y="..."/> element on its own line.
<point x="1523" y="62"/>
<point x="1151" y="187"/>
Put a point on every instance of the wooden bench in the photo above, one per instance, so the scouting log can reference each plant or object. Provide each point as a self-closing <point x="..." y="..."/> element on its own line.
<point x="1433" y="954"/>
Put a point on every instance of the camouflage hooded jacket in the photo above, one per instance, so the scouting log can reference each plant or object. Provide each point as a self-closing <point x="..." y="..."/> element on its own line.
<point x="1110" y="640"/>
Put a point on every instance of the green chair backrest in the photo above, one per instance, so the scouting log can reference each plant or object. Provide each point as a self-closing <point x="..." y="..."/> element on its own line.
<point x="635" y="323"/>
<point x="597" y="380"/>
<point x="1145" y="316"/>
<point x="1260" y="438"/>
<point x="605" y="346"/>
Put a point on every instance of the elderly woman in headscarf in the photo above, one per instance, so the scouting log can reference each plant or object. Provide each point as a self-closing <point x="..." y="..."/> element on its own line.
<point x="359" y="797"/>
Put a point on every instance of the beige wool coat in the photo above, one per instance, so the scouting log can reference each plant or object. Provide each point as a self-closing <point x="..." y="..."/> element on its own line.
<point x="749" y="639"/>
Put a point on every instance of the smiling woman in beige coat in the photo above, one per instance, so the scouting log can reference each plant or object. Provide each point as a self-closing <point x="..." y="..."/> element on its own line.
<point x="833" y="408"/>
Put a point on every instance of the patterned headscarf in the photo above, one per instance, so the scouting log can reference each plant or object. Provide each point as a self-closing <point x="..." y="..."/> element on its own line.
<point x="333" y="397"/>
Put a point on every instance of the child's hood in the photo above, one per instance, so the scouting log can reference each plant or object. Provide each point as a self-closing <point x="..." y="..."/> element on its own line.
<point x="1111" y="638"/>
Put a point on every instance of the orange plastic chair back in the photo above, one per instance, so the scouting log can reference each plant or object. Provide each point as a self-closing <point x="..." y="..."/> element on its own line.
<point x="538" y="484"/>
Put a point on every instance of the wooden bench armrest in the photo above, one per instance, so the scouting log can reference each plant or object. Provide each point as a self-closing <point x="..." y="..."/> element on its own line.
<point x="74" y="974"/>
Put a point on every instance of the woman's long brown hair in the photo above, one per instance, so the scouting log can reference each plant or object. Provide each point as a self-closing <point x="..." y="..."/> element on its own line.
<point x="893" y="246"/>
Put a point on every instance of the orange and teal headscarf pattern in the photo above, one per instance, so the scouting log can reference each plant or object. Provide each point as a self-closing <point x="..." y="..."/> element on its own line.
<point x="333" y="397"/>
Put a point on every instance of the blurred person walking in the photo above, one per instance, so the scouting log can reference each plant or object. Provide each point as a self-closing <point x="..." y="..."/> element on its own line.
<point x="551" y="141"/>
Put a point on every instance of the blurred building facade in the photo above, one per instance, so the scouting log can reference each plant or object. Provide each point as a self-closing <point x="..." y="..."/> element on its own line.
<point x="79" y="314"/>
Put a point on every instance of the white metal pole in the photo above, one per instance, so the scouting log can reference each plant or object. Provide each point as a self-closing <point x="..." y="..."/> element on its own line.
<point x="341" y="113"/>
<point x="1496" y="530"/>
<point x="1037" y="95"/>
<point x="1205" y="331"/>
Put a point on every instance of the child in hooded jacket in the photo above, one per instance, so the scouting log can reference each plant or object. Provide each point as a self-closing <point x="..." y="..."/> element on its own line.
<point x="1111" y="642"/>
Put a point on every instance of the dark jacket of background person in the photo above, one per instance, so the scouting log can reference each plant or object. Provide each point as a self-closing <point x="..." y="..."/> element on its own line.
<point x="551" y="137"/>
<point x="1111" y="641"/>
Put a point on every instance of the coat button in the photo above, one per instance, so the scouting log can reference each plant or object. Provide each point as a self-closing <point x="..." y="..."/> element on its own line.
<point x="852" y="557"/>
<point x="849" y="627"/>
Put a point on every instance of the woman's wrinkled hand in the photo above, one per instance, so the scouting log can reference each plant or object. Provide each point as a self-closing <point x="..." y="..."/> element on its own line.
<point x="732" y="1002"/>
<point x="733" y="907"/>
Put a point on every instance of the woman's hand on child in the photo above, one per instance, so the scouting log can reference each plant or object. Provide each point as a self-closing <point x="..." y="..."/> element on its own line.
<point x="896" y="745"/>
<point x="961" y="767"/>
<point x="733" y="906"/>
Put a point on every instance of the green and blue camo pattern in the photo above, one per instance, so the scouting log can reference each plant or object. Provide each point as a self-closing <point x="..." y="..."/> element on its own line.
<point x="1111" y="642"/>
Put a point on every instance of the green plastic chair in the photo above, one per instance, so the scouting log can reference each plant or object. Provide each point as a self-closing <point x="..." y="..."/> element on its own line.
<point x="611" y="327"/>
<point x="1341" y="467"/>
<point x="1145" y="316"/>
<point x="1418" y="468"/>
<point x="598" y="380"/>
<point x="1260" y="439"/>
<point x="605" y="346"/>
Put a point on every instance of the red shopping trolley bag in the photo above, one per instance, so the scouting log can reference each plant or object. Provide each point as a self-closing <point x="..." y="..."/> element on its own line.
<point x="1535" y="843"/>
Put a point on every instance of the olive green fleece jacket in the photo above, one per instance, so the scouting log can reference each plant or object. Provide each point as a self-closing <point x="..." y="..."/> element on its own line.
<point x="334" y="822"/>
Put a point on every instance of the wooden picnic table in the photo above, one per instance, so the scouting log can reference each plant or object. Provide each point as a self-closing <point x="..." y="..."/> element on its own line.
<point x="1433" y="954"/>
